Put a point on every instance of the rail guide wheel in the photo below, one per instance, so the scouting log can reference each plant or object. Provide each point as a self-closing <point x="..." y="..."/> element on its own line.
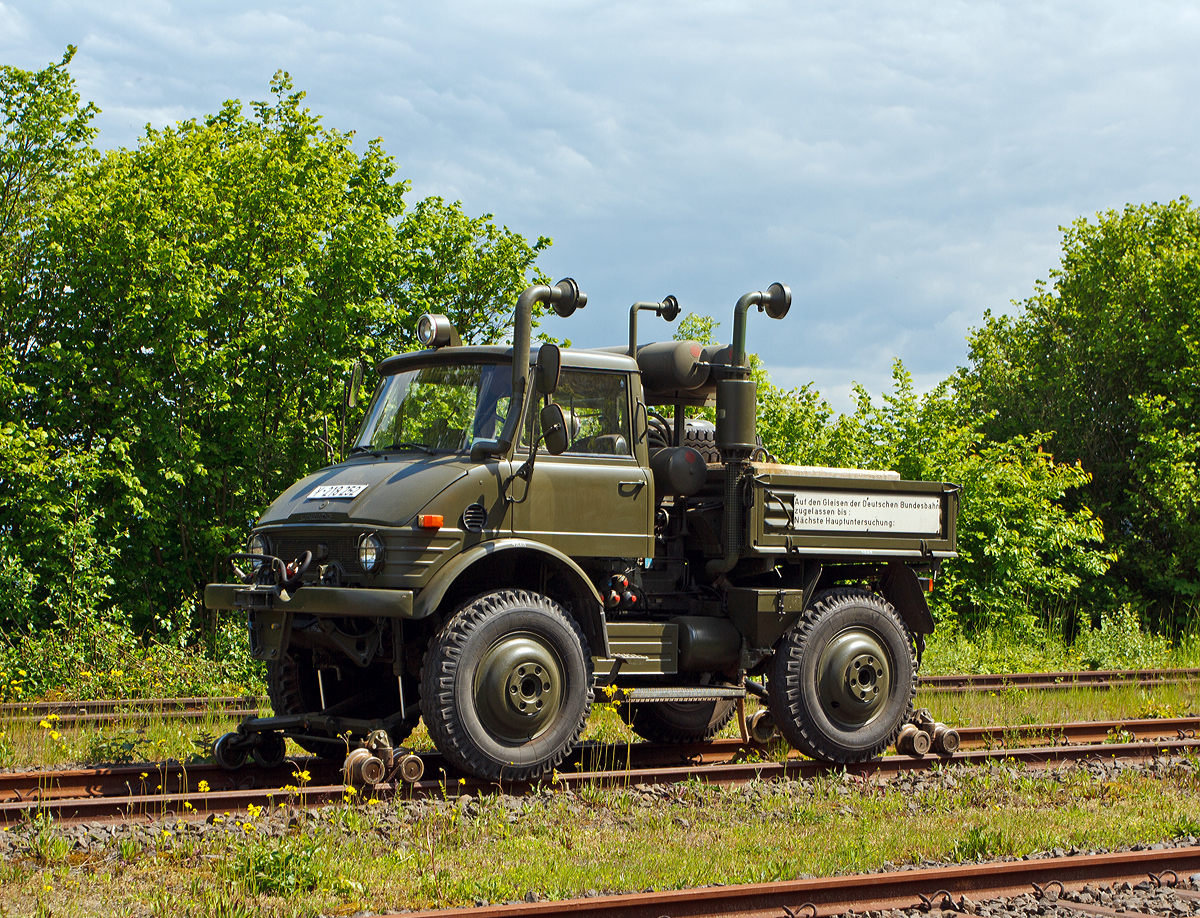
<point x="230" y="751"/>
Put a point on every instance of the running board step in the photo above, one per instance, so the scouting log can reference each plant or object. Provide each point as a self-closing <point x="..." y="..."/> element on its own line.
<point x="683" y="693"/>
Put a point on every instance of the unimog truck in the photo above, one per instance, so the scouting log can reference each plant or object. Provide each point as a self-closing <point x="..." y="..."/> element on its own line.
<point x="518" y="530"/>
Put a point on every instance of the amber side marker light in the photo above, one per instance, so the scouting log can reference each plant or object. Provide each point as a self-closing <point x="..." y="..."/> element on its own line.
<point x="430" y="521"/>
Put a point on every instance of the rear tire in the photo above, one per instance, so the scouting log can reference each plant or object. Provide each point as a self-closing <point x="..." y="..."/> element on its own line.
<point x="842" y="681"/>
<point x="507" y="686"/>
<point x="678" y="721"/>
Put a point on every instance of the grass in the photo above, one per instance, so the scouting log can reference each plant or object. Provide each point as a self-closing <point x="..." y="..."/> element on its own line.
<point x="1033" y="644"/>
<point x="1016" y="706"/>
<point x="137" y="740"/>
<point x="380" y="856"/>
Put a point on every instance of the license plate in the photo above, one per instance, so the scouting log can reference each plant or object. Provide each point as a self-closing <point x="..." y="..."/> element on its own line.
<point x="335" y="492"/>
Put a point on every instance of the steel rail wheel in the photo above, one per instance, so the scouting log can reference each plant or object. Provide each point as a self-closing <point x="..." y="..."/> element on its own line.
<point x="843" y="680"/>
<point x="506" y="686"/>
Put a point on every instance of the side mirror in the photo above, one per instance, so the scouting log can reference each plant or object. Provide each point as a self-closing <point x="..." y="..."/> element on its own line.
<point x="554" y="429"/>
<point x="356" y="379"/>
<point x="549" y="366"/>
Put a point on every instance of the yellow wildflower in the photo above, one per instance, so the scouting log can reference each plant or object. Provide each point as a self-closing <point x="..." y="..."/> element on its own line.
<point x="202" y="786"/>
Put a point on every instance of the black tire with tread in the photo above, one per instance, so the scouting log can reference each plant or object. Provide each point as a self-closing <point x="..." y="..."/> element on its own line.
<point x="447" y="685"/>
<point x="678" y="722"/>
<point x="704" y="441"/>
<point x="292" y="688"/>
<point x="792" y="677"/>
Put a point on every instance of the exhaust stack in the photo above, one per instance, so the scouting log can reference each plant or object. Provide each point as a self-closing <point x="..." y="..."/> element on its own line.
<point x="737" y="407"/>
<point x="565" y="297"/>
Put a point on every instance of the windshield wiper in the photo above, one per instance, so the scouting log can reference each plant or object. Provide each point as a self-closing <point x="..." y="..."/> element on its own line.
<point x="409" y="444"/>
<point x="367" y="450"/>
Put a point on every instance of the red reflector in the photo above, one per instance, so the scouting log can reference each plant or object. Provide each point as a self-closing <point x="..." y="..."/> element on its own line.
<point x="430" y="521"/>
<point x="926" y="583"/>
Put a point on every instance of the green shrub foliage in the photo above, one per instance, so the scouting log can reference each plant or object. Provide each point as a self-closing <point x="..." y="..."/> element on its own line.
<point x="1107" y="359"/>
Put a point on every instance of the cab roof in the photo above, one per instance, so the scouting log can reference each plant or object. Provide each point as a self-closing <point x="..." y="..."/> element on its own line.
<point x="501" y="354"/>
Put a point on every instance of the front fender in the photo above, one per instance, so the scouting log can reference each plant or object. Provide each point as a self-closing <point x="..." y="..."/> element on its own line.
<point x="427" y="601"/>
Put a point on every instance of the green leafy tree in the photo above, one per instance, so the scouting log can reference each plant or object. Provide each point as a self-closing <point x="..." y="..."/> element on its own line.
<point x="44" y="136"/>
<point x="1107" y="356"/>
<point x="1022" y="550"/>
<point x="55" y="567"/>
<point x="201" y="299"/>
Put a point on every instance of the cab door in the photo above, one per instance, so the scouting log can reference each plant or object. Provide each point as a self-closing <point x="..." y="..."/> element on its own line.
<point x="594" y="500"/>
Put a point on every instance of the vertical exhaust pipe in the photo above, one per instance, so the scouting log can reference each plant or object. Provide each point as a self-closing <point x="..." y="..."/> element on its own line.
<point x="565" y="297"/>
<point x="737" y="408"/>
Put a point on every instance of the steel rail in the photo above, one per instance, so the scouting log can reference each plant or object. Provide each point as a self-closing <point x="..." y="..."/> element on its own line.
<point x="1094" y="679"/>
<point x="105" y="709"/>
<point x="172" y="790"/>
<point x="112" y="709"/>
<point x="871" y="892"/>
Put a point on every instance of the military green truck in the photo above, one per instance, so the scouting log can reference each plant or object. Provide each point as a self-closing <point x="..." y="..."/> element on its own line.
<point x="518" y="530"/>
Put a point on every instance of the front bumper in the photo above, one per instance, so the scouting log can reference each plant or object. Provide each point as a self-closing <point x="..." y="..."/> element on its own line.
<point x="319" y="600"/>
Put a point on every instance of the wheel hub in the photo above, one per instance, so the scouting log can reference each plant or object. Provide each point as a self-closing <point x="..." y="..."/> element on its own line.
<point x="519" y="687"/>
<point x="853" y="677"/>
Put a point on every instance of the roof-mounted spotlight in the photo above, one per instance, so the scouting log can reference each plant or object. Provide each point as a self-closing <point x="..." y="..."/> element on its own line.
<point x="435" y="331"/>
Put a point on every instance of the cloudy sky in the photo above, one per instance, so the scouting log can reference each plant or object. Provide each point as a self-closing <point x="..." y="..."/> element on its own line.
<point x="904" y="166"/>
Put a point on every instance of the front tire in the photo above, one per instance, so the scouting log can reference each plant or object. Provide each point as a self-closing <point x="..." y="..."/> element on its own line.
<point x="507" y="686"/>
<point x="843" y="680"/>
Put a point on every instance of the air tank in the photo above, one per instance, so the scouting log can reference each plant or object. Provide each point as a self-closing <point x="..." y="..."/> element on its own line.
<point x="668" y="365"/>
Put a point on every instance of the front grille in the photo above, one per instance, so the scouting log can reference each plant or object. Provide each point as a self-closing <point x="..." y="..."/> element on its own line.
<point x="408" y="553"/>
<point x="474" y="518"/>
<point x="342" y="548"/>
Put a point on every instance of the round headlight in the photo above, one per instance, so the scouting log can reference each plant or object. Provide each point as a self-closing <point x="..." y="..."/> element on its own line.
<point x="370" y="552"/>
<point x="258" y="545"/>
<point x="426" y="329"/>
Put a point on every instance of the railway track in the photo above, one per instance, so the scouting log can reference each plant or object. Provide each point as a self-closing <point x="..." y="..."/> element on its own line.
<point x="199" y="708"/>
<point x="1045" y="886"/>
<point x="1092" y="679"/>
<point x="187" y="790"/>
<point x="107" y="710"/>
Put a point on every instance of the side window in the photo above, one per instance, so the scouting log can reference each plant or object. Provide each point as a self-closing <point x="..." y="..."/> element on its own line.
<point x="596" y="406"/>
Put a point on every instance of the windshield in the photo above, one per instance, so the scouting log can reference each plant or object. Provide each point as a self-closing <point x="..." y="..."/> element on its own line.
<point x="438" y="408"/>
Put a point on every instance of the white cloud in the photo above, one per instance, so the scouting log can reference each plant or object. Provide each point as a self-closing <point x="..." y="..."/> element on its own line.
<point x="904" y="166"/>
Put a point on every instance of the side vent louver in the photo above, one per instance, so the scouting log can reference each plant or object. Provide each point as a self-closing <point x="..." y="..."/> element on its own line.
<point x="474" y="518"/>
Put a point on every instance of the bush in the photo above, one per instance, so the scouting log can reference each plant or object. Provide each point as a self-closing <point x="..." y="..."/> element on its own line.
<point x="1120" y="643"/>
<point x="106" y="660"/>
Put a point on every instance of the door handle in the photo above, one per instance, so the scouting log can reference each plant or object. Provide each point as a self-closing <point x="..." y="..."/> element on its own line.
<point x="635" y="485"/>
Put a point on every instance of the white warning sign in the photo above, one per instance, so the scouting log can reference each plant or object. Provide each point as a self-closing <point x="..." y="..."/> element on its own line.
<point x="881" y="511"/>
